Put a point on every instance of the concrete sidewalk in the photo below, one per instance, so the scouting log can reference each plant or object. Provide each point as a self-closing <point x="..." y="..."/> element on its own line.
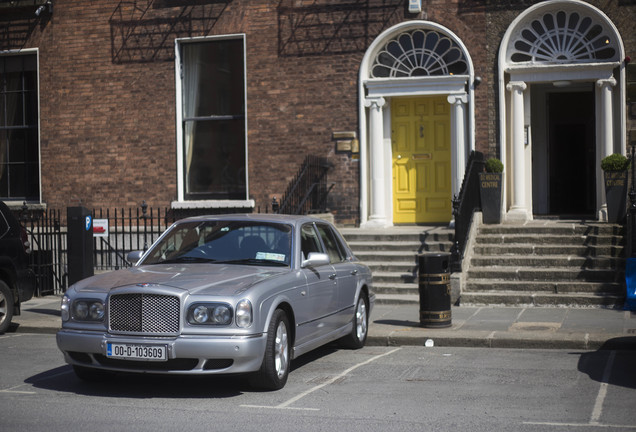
<point x="493" y="327"/>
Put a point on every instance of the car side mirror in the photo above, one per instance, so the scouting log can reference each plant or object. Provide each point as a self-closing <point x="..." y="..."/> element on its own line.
<point x="315" y="259"/>
<point x="134" y="257"/>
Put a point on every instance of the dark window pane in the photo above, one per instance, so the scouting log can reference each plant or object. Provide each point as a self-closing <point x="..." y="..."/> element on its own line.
<point x="19" y="155"/>
<point x="214" y="120"/>
<point x="215" y="70"/>
<point x="215" y="160"/>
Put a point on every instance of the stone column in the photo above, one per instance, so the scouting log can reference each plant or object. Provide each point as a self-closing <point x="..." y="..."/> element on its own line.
<point x="518" y="210"/>
<point x="377" y="215"/>
<point x="458" y="140"/>
<point x="606" y="135"/>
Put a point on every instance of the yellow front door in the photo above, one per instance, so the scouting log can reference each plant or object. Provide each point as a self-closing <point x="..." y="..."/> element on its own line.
<point x="420" y="134"/>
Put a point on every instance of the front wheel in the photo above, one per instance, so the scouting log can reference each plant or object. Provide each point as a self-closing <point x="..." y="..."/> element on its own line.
<point x="275" y="367"/>
<point x="358" y="336"/>
<point x="6" y="307"/>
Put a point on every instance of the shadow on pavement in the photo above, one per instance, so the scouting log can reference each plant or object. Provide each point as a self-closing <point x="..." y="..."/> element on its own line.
<point x="141" y="386"/>
<point x="622" y="354"/>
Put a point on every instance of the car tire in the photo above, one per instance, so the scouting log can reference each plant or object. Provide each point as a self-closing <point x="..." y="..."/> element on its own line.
<point x="276" y="361"/>
<point x="90" y="374"/>
<point x="6" y="307"/>
<point x="358" y="336"/>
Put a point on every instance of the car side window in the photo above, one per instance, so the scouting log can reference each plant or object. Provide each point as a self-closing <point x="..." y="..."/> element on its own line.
<point x="334" y="250"/>
<point x="309" y="241"/>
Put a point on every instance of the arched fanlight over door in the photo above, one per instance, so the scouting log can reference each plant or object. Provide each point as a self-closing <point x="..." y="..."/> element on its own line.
<point x="419" y="53"/>
<point x="563" y="37"/>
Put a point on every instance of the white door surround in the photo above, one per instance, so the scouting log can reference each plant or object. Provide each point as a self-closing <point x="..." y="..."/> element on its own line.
<point x="559" y="42"/>
<point x="401" y="63"/>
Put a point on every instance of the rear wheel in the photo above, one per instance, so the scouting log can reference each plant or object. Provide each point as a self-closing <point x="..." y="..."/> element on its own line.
<point x="275" y="367"/>
<point x="358" y="336"/>
<point x="6" y="307"/>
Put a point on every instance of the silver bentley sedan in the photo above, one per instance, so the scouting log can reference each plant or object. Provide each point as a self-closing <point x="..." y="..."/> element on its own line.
<point x="219" y="295"/>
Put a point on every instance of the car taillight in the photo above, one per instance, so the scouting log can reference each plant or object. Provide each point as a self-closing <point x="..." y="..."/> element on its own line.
<point x="25" y="240"/>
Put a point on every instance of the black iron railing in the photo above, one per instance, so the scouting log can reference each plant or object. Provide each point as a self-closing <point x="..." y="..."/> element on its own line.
<point x="308" y="190"/>
<point x="117" y="232"/>
<point x="464" y="206"/>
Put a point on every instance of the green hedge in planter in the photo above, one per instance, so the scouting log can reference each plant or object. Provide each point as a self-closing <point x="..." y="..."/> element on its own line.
<point x="615" y="162"/>
<point x="494" y="165"/>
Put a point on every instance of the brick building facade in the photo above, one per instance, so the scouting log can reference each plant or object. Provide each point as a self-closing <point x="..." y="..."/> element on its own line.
<point x="111" y="92"/>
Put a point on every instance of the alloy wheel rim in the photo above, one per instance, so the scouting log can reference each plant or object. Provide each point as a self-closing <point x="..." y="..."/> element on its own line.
<point x="361" y="319"/>
<point x="281" y="353"/>
<point x="3" y="308"/>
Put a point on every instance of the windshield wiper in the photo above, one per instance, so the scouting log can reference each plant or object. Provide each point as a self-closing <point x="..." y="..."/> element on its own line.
<point x="254" y="261"/>
<point x="186" y="259"/>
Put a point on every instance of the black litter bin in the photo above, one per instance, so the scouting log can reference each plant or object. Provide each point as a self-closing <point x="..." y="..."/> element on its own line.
<point x="435" y="289"/>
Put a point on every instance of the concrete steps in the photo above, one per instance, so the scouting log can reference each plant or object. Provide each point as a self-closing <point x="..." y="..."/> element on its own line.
<point x="546" y="263"/>
<point x="542" y="263"/>
<point x="392" y="256"/>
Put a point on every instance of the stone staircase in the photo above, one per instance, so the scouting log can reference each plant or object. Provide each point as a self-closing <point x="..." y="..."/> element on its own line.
<point x="540" y="263"/>
<point x="392" y="256"/>
<point x="546" y="263"/>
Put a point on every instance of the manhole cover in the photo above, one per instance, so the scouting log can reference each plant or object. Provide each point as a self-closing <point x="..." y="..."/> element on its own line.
<point x="536" y="326"/>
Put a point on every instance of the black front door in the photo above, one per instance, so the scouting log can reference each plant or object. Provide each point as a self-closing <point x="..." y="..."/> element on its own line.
<point x="571" y="153"/>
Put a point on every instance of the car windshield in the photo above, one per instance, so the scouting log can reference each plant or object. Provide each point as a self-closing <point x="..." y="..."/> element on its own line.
<point x="227" y="242"/>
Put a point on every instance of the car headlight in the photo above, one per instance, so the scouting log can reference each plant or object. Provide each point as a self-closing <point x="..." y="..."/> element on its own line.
<point x="87" y="310"/>
<point x="65" y="308"/>
<point x="210" y="314"/>
<point x="244" y="313"/>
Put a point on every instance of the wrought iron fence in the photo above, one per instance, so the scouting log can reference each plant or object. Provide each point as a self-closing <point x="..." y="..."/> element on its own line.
<point x="464" y="206"/>
<point x="308" y="190"/>
<point x="119" y="231"/>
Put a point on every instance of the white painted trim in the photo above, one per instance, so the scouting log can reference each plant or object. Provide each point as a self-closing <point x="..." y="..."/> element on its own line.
<point x="414" y="86"/>
<point x="179" y="109"/>
<point x="541" y="73"/>
<point x="22" y="52"/>
<point x="212" y="204"/>
<point x="417" y="86"/>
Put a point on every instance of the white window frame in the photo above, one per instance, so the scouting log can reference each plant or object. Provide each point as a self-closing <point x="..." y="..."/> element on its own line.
<point x="36" y="52"/>
<point x="181" y="203"/>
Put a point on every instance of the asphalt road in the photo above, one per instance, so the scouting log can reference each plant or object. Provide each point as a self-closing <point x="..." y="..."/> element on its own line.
<point x="373" y="389"/>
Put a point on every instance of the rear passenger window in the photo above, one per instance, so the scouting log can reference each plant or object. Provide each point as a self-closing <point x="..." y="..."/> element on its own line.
<point x="334" y="248"/>
<point x="309" y="240"/>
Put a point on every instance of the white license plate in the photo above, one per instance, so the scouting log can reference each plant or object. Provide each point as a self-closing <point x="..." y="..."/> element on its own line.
<point x="137" y="352"/>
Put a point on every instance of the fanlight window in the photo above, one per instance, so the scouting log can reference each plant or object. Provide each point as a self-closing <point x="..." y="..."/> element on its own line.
<point x="419" y="53"/>
<point x="562" y="37"/>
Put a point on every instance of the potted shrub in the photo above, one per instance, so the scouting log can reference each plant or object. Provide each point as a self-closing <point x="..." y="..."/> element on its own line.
<point x="615" y="168"/>
<point x="490" y="191"/>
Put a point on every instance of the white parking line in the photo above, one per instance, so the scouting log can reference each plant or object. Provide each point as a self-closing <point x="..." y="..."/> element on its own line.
<point x="13" y="390"/>
<point x="597" y="411"/>
<point x="602" y="392"/>
<point x="285" y="405"/>
<point x="9" y="336"/>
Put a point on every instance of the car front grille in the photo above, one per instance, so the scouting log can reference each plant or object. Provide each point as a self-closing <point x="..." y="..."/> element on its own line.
<point x="144" y="313"/>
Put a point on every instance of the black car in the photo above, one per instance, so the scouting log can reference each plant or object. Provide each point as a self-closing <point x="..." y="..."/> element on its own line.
<point x="17" y="280"/>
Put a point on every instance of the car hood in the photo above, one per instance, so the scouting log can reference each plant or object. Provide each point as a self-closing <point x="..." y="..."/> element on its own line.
<point x="215" y="279"/>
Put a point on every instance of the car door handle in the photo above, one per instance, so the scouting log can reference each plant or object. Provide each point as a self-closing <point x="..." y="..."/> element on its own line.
<point x="332" y="276"/>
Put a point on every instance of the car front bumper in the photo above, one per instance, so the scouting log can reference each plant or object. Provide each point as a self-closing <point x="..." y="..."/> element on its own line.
<point x="186" y="354"/>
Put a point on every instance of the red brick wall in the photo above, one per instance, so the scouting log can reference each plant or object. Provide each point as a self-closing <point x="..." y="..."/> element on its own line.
<point x="108" y="133"/>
